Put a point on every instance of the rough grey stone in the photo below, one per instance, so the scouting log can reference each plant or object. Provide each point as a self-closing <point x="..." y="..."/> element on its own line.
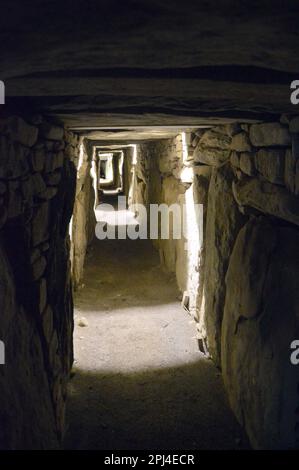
<point x="214" y="157"/>
<point x="247" y="163"/>
<point x="12" y="162"/>
<point x="40" y="224"/>
<point x="290" y="170"/>
<point x="48" y="193"/>
<point x="294" y="125"/>
<point x="24" y="385"/>
<point x="38" y="158"/>
<point x="223" y="223"/>
<point x="15" y="200"/>
<point x="38" y="183"/>
<point x="260" y="322"/>
<point x="240" y="142"/>
<point x="235" y="159"/>
<point x="2" y="187"/>
<point x="214" y="139"/>
<point x="54" y="161"/>
<point x="42" y="294"/>
<point x="53" y="179"/>
<point x="267" y="198"/>
<point x="270" y="163"/>
<point x="51" y="132"/>
<point x="22" y="132"/>
<point x="269" y="134"/>
<point x="48" y="323"/>
<point x="38" y="267"/>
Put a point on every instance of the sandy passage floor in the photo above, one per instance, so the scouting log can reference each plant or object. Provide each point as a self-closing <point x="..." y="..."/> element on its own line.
<point x="140" y="381"/>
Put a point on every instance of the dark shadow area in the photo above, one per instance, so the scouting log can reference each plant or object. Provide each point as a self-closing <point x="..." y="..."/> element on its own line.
<point x="173" y="408"/>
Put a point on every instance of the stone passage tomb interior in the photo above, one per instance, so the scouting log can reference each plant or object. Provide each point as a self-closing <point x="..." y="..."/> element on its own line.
<point x="136" y="341"/>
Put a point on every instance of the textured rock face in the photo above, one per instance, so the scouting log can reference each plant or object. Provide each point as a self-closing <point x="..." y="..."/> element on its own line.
<point x="26" y="412"/>
<point x="269" y="134"/>
<point x="260" y="322"/>
<point x="38" y="188"/>
<point x="223" y="223"/>
<point x="271" y="164"/>
<point x="267" y="198"/>
<point x="83" y="222"/>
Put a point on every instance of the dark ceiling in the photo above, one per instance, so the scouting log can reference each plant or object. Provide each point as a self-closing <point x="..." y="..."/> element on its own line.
<point x="158" y="62"/>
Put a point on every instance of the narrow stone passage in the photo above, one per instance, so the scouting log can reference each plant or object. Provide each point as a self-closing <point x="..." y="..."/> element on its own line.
<point x="139" y="380"/>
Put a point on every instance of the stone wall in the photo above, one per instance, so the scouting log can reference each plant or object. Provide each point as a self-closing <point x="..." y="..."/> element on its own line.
<point x="83" y="222"/>
<point x="242" y="283"/>
<point x="137" y="165"/>
<point x="37" y="182"/>
<point x="249" y="312"/>
<point x="173" y="179"/>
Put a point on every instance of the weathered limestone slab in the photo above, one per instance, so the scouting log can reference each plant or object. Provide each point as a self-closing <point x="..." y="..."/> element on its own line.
<point x="54" y="161"/>
<point x="290" y="170"/>
<point x="235" y="159"/>
<point x="214" y="139"/>
<point x="240" y="142"/>
<point x="271" y="164"/>
<point x="208" y="156"/>
<point x="37" y="159"/>
<point x="48" y="323"/>
<point x="12" y="162"/>
<point x="38" y="183"/>
<point x="269" y="134"/>
<point x="40" y="224"/>
<point x="51" y="132"/>
<point x="42" y="294"/>
<point x="247" y="161"/>
<point x="223" y="224"/>
<point x="38" y="267"/>
<point x="20" y="131"/>
<point x="260" y="322"/>
<point x="294" y="125"/>
<point x="267" y="198"/>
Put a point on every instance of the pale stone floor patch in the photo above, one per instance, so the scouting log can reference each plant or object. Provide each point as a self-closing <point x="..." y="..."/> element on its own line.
<point x="140" y="381"/>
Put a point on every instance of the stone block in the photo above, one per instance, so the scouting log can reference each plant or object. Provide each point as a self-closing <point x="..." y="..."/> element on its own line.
<point x="247" y="163"/>
<point x="51" y="132"/>
<point x="40" y="224"/>
<point x="290" y="170"/>
<point x="38" y="184"/>
<point x="271" y="163"/>
<point x="38" y="267"/>
<point x="294" y="125"/>
<point x="2" y="187"/>
<point x="15" y="200"/>
<point x="22" y="132"/>
<point x="240" y="142"/>
<point x="267" y="198"/>
<point x="214" y="157"/>
<point x="260" y="322"/>
<point x="53" y="179"/>
<point x="269" y="134"/>
<point x="42" y="294"/>
<point x="235" y="159"/>
<point x="37" y="159"/>
<point x="48" y="193"/>
<point x="13" y="163"/>
<point x="54" y="161"/>
<point x="214" y="139"/>
<point x="48" y="323"/>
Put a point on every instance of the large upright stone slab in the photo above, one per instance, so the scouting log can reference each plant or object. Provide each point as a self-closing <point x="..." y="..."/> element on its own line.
<point x="260" y="322"/>
<point x="224" y="221"/>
